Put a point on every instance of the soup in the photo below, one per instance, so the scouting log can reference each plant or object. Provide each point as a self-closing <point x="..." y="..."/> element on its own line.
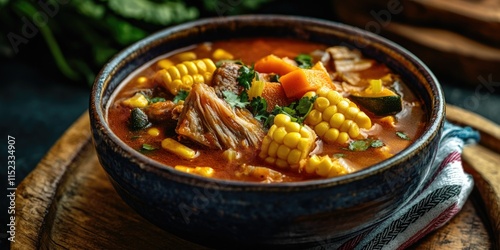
<point x="266" y="110"/>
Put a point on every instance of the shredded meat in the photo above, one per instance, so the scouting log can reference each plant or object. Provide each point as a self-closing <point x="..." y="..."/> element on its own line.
<point x="163" y="111"/>
<point x="225" y="78"/>
<point x="345" y="59"/>
<point x="212" y="122"/>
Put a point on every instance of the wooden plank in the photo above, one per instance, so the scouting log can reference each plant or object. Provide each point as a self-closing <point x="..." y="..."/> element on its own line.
<point x="435" y="33"/>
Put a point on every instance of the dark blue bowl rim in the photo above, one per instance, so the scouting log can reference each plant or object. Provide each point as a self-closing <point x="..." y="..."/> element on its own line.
<point x="436" y="118"/>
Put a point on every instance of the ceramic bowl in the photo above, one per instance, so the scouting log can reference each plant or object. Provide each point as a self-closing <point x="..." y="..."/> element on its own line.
<point x="219" y="213"/>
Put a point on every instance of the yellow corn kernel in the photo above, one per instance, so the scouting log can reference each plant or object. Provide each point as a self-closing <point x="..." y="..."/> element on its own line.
<point x="325" y="166"/>
<point x="164" y="63"/>
<point x="340" y="121"/>
<point x="220" y="54"/>
<point x="136" y="101"/>
<point x="153" y="131"/>
<point x="183" y="75"/>
<point x="142" y="80"/>
<point x="337" y="120"/>
<point x="314" y="117"/>
<point x="321" y="128"/>
<point x="321" y="103"/>
<point x="179" y="149"/>
<point x="203" y="171"/>
<point x="191" y="67"/>
<point x="287" y="143"/>
<point x="186" y="56"/>
<point x="331" y="135"/>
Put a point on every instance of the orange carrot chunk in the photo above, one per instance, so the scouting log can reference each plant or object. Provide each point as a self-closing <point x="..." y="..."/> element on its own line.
<point x="274" y="64"/>
<point x="300" y="81"/>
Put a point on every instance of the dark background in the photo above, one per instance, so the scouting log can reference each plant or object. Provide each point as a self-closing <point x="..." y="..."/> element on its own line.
<point x="38" y="103"/>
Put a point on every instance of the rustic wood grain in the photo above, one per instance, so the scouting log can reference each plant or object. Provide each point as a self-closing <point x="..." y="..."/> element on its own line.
<point x="461" y="35"/>
<point x="68" y="202"/>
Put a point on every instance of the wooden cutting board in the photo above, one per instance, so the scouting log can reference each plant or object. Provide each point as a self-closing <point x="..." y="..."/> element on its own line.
<point x="67" y="201"/>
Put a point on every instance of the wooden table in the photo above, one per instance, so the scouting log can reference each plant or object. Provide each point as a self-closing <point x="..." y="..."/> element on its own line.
<point x="67" y="201"/>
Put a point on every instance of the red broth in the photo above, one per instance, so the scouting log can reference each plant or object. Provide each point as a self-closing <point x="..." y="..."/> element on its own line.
<point x="395" y="132"/>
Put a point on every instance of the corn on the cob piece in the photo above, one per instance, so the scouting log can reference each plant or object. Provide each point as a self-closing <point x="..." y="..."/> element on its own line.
<point x="179" y="149"/>
<point x="183" y="75"/>
<point x="335" y="118"/>
<point x="203" y="171"/>
<point x="287" y="143"/>
<point x="325" y="166"/>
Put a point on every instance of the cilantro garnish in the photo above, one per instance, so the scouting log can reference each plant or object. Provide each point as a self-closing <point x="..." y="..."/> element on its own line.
<point x="304" y="61"/>
<point x="147" y="148"/>
<point x="246" y="76"/>
<point x="297" y="110"/>
<point x="181" y="96"/>
<point x="233" y="99"/>
<point x="156" y="99"/>
<point x="363" y="145"/>
<point x="402" y="135"/>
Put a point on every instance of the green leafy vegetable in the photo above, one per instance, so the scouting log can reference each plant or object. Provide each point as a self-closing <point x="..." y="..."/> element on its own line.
<point x="304" y="61"/>
<point x="402" y="135"/>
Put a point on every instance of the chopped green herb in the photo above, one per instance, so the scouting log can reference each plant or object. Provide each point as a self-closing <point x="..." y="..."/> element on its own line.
<point x="304" y="61"/>
<point x="157" y="99"/>
<point x="181" y="96"/>
<point x="402" y="135"/>
<point x="258" y="105"/>
<point x="233" y="99"/>
<point x="220" y="62"/>
<point x="377" y="144"/>
<point x="363" y="145"/>
<point x="148" y="147"/>
<point x="246" y="76"/>
<point x="338" y="155"/>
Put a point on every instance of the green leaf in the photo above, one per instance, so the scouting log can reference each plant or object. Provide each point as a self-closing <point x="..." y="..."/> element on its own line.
<point x="363" y="145"/>
<point x="148" y="147"/>
<point x="402" y="135"/>
<point x="258" y="105"/>
<point x="377" y="144"/>
<point x="155" y="12"/>
<point x="304" y="61"/>
<point x="181" y="96"/>
<point x="338" y="155"/>
<point x="157" y="99"/>
<point x="359" y="145"/>
<point x="246" y="76"/>
<point x="233" y="99"/>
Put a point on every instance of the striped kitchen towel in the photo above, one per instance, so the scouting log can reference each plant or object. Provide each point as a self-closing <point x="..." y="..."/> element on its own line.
<point x="441" y="197"/>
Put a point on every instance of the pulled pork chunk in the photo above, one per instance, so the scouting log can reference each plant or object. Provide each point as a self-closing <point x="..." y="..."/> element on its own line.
<point x="225" y="78"/>
<point x="212" y="122"/>
<point x="163" y="111"/>
<point x="345" y="59"/>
